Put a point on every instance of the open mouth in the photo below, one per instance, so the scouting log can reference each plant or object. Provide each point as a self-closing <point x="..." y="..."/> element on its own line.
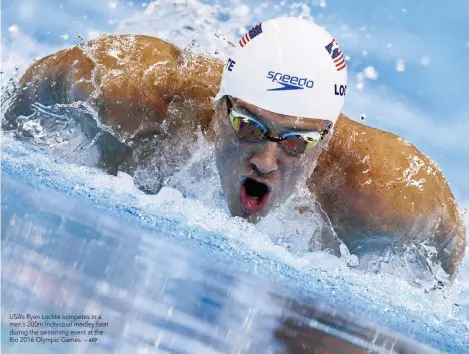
<point x="254" y="194"/>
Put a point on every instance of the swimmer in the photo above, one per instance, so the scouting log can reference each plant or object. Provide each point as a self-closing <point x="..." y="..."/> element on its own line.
<point x="273" y="111"/>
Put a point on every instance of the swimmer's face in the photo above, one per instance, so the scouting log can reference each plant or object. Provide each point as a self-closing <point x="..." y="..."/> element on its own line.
<point x="256" y="176"/>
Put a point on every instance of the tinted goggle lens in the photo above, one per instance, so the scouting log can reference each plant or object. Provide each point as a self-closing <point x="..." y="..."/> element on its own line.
<point x="246" y="128"/>
<point x="249" y="129"/>
<point x="298" y="144"/>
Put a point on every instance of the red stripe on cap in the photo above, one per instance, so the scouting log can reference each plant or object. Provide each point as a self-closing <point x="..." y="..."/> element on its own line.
<point x="339" y="63"/>
<point x="339" y="58"/>
<point x="338" y="69"/>
<point x="241" y="43"/>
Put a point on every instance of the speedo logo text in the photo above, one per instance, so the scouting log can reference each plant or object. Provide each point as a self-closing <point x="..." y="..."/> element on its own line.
<point x="288" y="82"/>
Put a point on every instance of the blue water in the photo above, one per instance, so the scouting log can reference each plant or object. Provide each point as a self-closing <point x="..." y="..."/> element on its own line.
<point x="174" y="276"/>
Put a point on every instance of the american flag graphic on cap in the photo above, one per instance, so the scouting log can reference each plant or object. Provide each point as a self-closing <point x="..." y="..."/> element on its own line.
<point x="336" y="55"/>
<point x="255" y="31"/>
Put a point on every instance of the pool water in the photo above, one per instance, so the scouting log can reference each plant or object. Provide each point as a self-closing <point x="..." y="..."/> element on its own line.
<point x="172" y="275"/>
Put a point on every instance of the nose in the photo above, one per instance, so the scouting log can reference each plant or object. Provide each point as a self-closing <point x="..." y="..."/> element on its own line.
<point x="265" y="161"/>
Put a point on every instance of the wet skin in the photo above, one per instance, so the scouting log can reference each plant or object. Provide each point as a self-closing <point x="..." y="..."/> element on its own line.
<point x="265" y="161"/>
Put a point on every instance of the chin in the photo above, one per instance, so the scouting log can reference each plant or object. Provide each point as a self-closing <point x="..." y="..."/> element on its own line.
<point x="257" y="217"/>
<point x="253" y="218"/>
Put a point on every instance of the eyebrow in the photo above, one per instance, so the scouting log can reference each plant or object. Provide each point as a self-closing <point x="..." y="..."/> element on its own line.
<point x="287" y="127"/>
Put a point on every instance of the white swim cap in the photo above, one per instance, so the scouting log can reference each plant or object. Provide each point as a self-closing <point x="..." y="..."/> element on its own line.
<point x="288" y="66"/>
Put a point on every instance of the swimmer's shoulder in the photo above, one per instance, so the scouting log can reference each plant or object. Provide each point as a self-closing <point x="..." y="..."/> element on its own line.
<point x="134" y="79"/>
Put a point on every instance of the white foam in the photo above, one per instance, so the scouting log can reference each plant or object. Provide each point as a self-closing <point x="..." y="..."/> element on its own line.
<point x="400" y="65"/>
<point x="371" y="73"/>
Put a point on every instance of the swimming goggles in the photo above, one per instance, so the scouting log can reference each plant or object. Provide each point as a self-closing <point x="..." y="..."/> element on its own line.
<point x="250" y="129"/>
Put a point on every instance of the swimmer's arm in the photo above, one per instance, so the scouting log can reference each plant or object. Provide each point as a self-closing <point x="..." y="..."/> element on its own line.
<point x="363" y="184"/>
<point x="136" y="97"/>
